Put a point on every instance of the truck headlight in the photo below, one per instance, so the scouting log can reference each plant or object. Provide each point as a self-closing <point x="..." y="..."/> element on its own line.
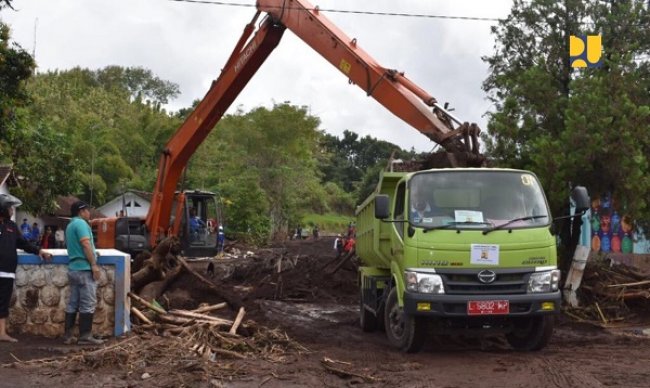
<point x="425" y="283"/>
<point x="547" y="281"/>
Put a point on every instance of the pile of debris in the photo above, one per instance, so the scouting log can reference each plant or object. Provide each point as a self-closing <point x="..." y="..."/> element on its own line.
<point x="612" y="292"/>
<point x="169" y="344"/>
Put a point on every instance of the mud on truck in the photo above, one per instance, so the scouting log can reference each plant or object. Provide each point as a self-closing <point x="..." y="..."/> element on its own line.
<point x="459" y="250"/>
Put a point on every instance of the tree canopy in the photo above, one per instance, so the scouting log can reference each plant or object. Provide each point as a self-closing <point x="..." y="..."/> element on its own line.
<point x="586" y="126"/>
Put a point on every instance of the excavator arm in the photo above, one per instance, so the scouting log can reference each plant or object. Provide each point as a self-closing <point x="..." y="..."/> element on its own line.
<point x="389" y="87"/>
<point x="245" y="60"/>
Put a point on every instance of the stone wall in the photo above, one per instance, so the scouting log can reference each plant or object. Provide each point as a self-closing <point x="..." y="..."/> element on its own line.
<point x="41" y="293"/>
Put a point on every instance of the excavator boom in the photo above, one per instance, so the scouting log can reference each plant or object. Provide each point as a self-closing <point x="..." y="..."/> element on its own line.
<point x="389" y="87"/>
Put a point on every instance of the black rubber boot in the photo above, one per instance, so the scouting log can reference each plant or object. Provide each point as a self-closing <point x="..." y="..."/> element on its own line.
<point x="86" y="330"/>
<point x="68" y="336"/>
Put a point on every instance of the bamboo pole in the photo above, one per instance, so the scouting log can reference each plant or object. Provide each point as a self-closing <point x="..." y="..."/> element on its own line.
<point x="147" y="304"/>
<point x="600" y="312"/>
<point x="629" y="284"/>
<point x="189" y="314"/>
<point x="140" y="316"/>
<point x="207" y="309"/>
<point x="240" y="316"/>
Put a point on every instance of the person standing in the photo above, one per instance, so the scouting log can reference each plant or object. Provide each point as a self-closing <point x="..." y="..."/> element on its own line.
<point x="59" y="238"/>
<point x="36" y="234"/>
<point x="221" y="240"/>
<point x="338" y="245"/>
<point x="25" y="229"/>
<point x="83" y="274"/>
<point x="10" y="239"/>
<point x="47" y="241"/>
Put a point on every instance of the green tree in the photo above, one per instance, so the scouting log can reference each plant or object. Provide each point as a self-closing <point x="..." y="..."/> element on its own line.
<point x="275" y="147"/>
<point x="39" y="155"/>
<point x="588" y="126"/>
<point x="16" y="66"/>
<point x="349" y="158"/>
<point x="112" y="119"/>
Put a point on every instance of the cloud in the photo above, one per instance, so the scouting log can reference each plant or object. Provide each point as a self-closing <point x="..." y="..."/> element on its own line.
<point x="189" y="43"/>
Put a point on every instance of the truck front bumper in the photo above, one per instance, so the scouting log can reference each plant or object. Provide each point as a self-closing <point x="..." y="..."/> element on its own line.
<point x="444" y="305"/>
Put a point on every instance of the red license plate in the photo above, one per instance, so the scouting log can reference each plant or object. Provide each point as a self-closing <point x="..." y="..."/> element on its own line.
<point x="488" y="307"/>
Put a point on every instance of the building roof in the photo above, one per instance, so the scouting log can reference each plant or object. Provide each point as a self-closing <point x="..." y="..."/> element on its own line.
<point x="5" y="172"/>
<point x="64" y="204"/>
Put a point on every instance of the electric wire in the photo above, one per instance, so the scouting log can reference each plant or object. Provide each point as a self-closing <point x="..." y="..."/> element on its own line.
<point x="374" y="13"/>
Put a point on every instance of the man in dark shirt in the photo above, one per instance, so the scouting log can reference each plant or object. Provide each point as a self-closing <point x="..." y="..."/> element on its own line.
<point x="10" y="239"/>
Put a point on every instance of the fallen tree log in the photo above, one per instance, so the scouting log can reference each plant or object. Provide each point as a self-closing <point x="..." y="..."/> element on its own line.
<point x="154" y="290"/>
<point x="162" y="260"/>
<point x="233" y="301"/>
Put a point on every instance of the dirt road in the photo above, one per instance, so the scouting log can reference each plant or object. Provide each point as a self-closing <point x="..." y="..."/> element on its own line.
<point x="319" y="311"/>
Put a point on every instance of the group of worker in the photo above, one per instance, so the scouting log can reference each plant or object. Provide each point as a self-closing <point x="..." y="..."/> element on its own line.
<point x="83" y="269"/>
<point x="47" y="240"/>
<point x="345" y="244"/>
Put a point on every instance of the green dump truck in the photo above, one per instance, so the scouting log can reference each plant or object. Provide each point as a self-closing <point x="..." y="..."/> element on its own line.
<point x="467" y="250"/>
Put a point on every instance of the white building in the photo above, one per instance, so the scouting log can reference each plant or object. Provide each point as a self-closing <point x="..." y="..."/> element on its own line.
<point x="130" y="204"/>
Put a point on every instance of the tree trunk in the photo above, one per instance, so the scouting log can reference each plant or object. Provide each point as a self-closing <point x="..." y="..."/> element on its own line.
<point x="155" y="268"/>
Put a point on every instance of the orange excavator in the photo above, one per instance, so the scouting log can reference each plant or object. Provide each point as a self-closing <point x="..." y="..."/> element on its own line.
<point x="175" y="213"/>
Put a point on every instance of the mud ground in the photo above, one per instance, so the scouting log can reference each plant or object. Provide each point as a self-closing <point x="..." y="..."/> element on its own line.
<point x="319" y="310"/>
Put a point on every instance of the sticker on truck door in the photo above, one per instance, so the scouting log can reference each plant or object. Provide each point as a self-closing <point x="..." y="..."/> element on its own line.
<point x="485" y="254"/>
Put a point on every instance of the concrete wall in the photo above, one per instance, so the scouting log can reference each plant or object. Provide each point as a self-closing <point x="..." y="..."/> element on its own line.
<point x="41" y="293"/>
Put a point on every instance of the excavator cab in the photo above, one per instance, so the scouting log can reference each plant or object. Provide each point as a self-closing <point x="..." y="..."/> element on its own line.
<point x="200" y="224"/>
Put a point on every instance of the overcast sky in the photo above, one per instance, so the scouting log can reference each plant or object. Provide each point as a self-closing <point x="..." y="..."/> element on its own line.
<point x="188" y="44"/>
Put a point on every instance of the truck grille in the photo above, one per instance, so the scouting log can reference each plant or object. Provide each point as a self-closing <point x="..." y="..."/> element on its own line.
<point x="466" y="282"/>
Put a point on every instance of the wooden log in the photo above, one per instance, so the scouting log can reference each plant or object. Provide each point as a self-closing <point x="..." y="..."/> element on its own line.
<point x="158" y="264"/>
<point x="207" y="309"/>
<point x="146" y="303"/>
<point x="189" y="314"/>
<point x="636" y="295"/>
<point x="341" y="263"/>
<point x="232" y="300"/>
<point x="238" y="319"/>
<point x="140" y="316"/>
<point x="344" y="373"/>
<point x="154" y="290"/>
<point x="181" y="321"/>
<point x="629" y="284"/>
<point x="173" y="319"/>
<point x="600" y="312"/>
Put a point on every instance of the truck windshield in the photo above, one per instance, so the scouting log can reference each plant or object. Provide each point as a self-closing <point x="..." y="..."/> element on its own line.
<point x="476" y="200"/>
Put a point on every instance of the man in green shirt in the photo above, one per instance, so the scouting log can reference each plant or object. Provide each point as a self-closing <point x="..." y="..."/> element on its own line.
<point x="83" y="274"/>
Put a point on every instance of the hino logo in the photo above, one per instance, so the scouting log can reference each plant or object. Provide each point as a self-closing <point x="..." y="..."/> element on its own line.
<point x="486" y="276"/>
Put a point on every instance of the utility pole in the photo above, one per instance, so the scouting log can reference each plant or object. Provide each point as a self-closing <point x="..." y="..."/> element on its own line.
<point x="34" y="44"/>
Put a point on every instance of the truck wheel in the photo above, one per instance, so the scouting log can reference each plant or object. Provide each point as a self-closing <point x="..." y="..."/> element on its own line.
<point x="403" y="331"/>
<point x="531" y="334"/>
<point x="367" y="320"/>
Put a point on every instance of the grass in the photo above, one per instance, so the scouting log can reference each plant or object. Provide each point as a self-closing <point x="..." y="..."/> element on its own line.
<point x="327" y="223"/>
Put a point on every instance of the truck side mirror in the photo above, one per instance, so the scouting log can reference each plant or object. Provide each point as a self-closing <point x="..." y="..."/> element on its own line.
<point x="581" y="198"/>
<point x="382" y="206"/>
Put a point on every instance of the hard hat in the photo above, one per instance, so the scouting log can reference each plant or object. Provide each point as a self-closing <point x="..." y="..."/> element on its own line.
<point x="220" y="227"/>
<point x="7" y="201"/>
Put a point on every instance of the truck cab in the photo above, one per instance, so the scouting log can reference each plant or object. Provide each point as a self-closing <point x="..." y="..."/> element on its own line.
<point x="458" y="250"/>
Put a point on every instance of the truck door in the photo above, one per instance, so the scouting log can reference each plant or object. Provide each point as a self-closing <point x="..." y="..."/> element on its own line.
<point x="399" y="214"/>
